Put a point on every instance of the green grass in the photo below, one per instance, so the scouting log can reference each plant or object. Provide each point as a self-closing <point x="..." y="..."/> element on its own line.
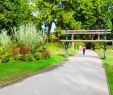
<point x="12" y="71"/>
<point x="108" y="64"/>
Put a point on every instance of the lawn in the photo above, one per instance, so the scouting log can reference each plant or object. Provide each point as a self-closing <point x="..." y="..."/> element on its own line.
<point x="108" y="64"/>
<point x="12" y="71"/>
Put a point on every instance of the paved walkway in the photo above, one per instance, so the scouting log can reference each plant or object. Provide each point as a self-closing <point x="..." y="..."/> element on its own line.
<point x="80" y="75"/>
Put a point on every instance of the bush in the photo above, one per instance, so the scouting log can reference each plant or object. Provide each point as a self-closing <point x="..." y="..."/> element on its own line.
<point x="78" y="44"/>
<point x="25" y="49"/>
<point x="28" y="34"/>
<point x="4" y="57"/>
<point x="5" y="40"/>
<point x="53" y="38"/>
<point x="17" y="57"/>
<point x="15" y="51"/>
<point x="38" y="55"/>
<point x="5" y="60"/>
<point x="45" y="54"/>
<point x="27" y="57"/>
<point x="42" y="54"/>
<point x="23" y="45"/>
<point x="99" y="45"/>
<point x="90" y="45"/>
<point x="5" y="47"/>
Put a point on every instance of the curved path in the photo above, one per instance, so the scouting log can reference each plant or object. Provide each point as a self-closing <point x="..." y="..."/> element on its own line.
<point x="80" y="75"/>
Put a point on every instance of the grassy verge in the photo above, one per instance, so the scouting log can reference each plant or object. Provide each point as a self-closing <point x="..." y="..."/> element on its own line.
<point x="12" y="71"/>
<point x="108" y="64"/>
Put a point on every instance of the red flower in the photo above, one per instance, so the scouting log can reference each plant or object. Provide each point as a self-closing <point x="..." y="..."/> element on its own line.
<point x="25" y="49"/>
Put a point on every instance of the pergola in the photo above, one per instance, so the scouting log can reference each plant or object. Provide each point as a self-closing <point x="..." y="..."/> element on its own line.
<point x="86" y="40"/>
<point x="76" y="32"/>
<point x="86" y="32"/>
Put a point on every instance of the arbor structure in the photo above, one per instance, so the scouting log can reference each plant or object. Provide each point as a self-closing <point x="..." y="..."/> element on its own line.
<point x="84" y="32"/>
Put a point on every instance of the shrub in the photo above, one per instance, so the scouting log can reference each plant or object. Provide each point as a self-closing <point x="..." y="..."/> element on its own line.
<point x="42" y="54"/>
<point x="27" y="57"/>
<point x="5" y="54"/>
<point x="45" y="54"/>
<point x="28" y="34"/>
<point x="99" y="45"/>
<point x="5" y="47"/>
<point x="16" y="58"/>
<point x="15" y="51"/>
<point x="5" y="40"/>
<point x="4" y="57"/>
<point x="53" y="37"/>
<point x="25" y="49"/>
<point x="38" y="55"/>
<point x="90" y="45"/>
<point x="5" y="60"/>
<point x="78" y="44"/>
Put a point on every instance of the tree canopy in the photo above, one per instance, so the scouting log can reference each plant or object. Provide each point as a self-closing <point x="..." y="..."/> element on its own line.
<point x="74" y="14"/>
<point x="13" y="13"/>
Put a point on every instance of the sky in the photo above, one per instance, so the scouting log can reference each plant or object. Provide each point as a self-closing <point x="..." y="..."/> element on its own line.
<point x="53" y="27"/>
<point x="53" y="24"/>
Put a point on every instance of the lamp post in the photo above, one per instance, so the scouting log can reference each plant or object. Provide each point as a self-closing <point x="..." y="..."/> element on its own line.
<point x="105" y="43"/>
<point x="111" y="8"/>
<point x="66" y="43"/>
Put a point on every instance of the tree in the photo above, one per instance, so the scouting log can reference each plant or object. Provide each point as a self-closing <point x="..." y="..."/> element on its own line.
<point x="92" y="14"/>
<point x="13" y="13"/>
<point x="54" y="11"/>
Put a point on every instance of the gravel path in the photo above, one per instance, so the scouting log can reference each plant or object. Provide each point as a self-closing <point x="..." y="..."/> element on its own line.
<point x="80" y="75"/>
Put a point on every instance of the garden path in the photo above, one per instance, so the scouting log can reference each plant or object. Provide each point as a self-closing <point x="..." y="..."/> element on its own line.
<point x="79" y="75"/>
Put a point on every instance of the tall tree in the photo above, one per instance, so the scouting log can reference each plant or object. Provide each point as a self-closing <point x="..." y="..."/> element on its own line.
<point x="13" y="13"/>
<point x="59" y="12"/>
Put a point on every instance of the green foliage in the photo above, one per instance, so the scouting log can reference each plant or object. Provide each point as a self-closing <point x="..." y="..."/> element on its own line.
<point x="99" y="45"/>
<point x="28" y="34"/>
<point x="75" y="14"/>
<point x="42" y="53"/>
<point x="95" y="45"/>
<point x="54" y="48"/>
<point x="38" y="55"/>
<point x="57" y="12"/>
<point x="75" y="25"/>
<point x="5" y="60"/>
<point x="27" y="58"/>
<point x="13" y="13"/>
<point x="5" y="40"/>
<point x="46" y="54"/>
<point x="78" y="44"/>
<point x="16" y="58"/>
<point x="4" y="56"/>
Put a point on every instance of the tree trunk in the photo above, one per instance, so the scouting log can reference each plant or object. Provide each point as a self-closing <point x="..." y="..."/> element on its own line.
<point x="112" y="25"/>
<point x="49" y="31"/>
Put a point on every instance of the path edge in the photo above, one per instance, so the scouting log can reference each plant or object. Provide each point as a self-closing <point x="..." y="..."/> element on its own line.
<point x="20" y="79"/>
<point x="108" y="86"/>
